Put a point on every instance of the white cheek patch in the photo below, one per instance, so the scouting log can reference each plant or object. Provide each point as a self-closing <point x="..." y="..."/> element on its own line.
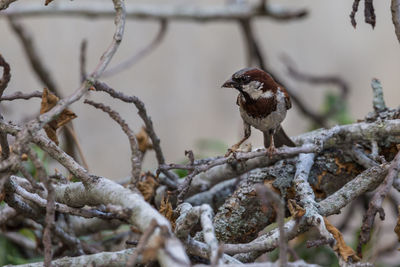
<point x="254" y="89"/>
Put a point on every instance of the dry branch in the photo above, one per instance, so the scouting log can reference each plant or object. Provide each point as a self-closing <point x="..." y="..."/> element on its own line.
<point x="5" y="3"/>
<point x="157" y="12"/>
<point x="136" y="156"/>
<point x="146" y="119"/>
<point x="375" y="205"/>
<point x="395" y="8"/>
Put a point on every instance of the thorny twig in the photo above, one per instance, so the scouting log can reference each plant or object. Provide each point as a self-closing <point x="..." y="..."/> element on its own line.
<point x="135" y="152"/>
<point x="375" y="205"/>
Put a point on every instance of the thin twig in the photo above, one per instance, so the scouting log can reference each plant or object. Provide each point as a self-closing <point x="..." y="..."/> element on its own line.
<point x="141" y="54"/>
<point x="199" y="13"/>
<point x="82" y="60"/>
<point x="375" y="205"/>
<point x="395" y="8"/>
<point x="5" y="79"/>
<point x="353" y="13"/>
<point x="50" y="206"/>
<point x="142" y="243"/>
<point x="266" y="195"/>
<point x="135" y="152"/>
<point x="146" y="119"/>
<point x="21" y="95"/>
<point x="317" y="80"/>
<point x="32" y="53"/>
<point x="5" y="3"/>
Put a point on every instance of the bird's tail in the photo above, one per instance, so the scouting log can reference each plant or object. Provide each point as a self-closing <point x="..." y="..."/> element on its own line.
<point x="280" y="139"/>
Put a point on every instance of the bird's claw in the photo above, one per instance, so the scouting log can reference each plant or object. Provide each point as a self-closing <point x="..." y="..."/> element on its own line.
<point x="232" y="150"/>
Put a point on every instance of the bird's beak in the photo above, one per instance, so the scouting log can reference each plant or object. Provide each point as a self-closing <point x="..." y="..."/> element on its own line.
<point x="230" y="84"/>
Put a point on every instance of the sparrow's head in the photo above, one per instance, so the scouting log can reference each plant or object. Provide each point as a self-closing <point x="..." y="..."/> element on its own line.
<point x="253" y="83"/>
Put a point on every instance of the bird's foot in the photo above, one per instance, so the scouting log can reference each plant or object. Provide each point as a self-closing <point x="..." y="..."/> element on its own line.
<point x="238" y="148"/>
<point x="232" y="150"/>
<point x="271" y="151"/>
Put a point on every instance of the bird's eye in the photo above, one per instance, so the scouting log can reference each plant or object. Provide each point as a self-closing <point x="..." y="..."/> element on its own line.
<point x="245" y="79"/>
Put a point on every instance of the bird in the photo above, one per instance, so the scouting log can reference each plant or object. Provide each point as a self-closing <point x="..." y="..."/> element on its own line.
<point x="263" y="104"/>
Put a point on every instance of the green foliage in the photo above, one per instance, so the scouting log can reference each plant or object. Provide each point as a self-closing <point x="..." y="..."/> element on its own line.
<point x="339" y="113"/>
<point x="11" y="254"/>
<point x="42" y="157"/>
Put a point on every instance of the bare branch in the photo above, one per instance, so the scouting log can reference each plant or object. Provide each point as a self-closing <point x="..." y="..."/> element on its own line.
<point x="21" y="95"/>
<point x="32" y="53"/>
<point x="5" y="3"/>
<point x="146" y="119"/>
<point x="144" y="239"/>
<point x="6" y="213"/>
<point x="115" y="258"/>
<point x="5" y="79"/>
<point x="375" y="205"/>
<point x="84" y="212"/>
<point x="353" y="13"/>
<point x="378" y="101"/>
<point x="135" y="153"/>
<point x="141" y="54"/>
<point x="177" y="12"/>
<point x="395" y="8"/>
<point x="367" y="180"/>
<point x="266" y="196"/>
<point x="82" y="60"/>
<point x="50" y="207"/>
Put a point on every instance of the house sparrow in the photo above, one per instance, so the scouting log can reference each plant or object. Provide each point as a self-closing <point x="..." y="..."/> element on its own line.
<point x="263" y="104"/>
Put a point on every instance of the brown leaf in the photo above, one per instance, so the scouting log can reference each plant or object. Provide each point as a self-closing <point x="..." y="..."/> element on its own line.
<point x="341" y="247"/>
<point x="167" y="211"/>
<point x="143" y="140"/>
<point x="48" y="2"/>
<point x="150" y="253"/>
<point x="295" y="209"/>
<point x="148" y="187"/>
<point x="397" y="228"/>
<point x="49" y="100"/>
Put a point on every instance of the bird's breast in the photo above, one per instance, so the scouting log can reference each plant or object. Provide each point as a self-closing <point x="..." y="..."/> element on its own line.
<point x="265" y="113"/>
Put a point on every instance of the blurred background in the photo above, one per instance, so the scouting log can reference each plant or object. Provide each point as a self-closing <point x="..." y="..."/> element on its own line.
<point x="180" y="79"/>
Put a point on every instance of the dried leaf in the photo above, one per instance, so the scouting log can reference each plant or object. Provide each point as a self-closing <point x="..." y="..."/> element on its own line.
<point x="341" y="247"/>
<point x="49" y="100"/>
<point x="150" y="253"/>
<point x="295" y="209"/>
<point x="143" y="140"/>
<point x="148" y="187"/>
<point x="48" y="2"/>
<point x="397" y="228"/>
<point x="167" y="211"/>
